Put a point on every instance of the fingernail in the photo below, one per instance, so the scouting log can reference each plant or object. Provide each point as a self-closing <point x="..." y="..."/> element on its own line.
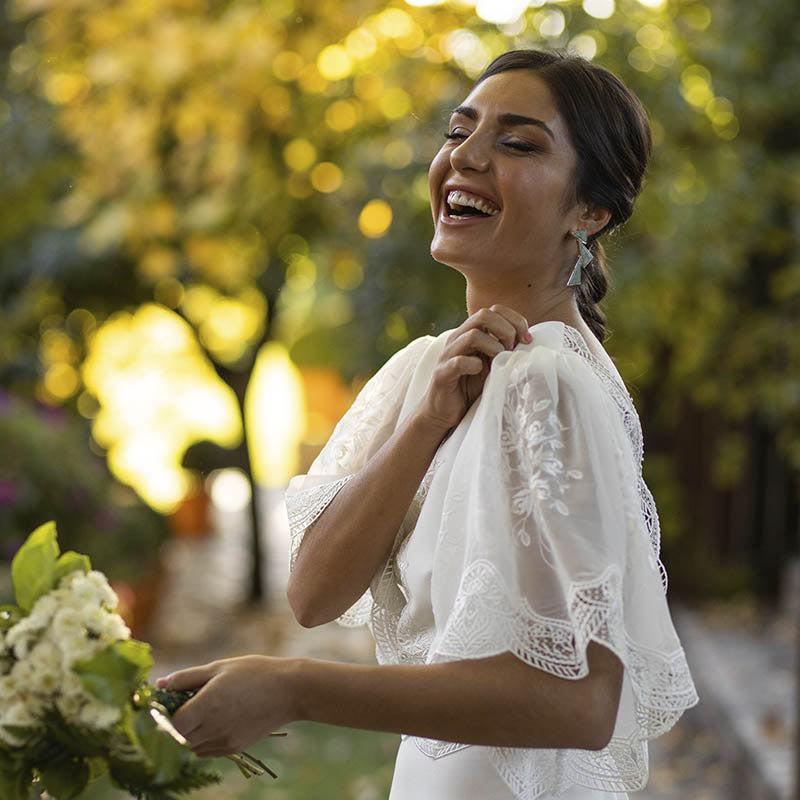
<point x="528" y="337"/>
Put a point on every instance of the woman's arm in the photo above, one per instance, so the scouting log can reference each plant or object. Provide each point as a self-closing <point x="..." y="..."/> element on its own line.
<point x="342" y="550"/>
<point x="498" y="701"/>
<point x="344" y="547"/>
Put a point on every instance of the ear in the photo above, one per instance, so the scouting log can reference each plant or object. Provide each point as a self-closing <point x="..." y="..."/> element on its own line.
<point x="592" y="218"/>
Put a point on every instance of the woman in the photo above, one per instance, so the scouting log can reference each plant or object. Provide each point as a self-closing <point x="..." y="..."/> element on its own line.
<point x="481" y="505"/>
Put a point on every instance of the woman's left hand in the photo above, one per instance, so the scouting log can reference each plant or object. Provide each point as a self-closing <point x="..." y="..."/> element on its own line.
<point x="238" y="702"/>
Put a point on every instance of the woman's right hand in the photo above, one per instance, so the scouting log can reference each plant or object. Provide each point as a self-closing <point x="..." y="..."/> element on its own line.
<point x="464" y="364"/>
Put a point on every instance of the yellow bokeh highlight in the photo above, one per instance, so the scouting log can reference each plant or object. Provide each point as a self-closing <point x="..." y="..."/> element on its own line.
<point x="600" y="9"/>
<point x="398" y="154"/>
<point x="368" y="87"/>
<point x="56" y="346"/>
<point x="326" y="177"/>
<point x="157" y="263"/>
<point x="66" y="87"/>
<point x="650" y="36"/>
<point x="287" y="65"/>
<point x="394" y="23"/>
<point x="276" y="102"/>
<point x="227" y="325"/>
<point x="274" y="416"/>
<point x="157" y="393"/>
<point x="347" y="273"/>
<point x="360" y="44"/>
<point x="61" y="381"/>
<point x="334" y="63"/>
<point x="394" y="103"/>
<point x="696" y="86"/>
<point x="342" y="115"/>
<point x="375" y="219"/>
<point x="299" y="154"/>
<point x="311" y="80"/>
<point x="301" y="273"/>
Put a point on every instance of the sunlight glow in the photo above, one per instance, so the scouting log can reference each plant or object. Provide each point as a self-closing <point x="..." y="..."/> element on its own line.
<point x="229" y="489"/>
<point x="274" y="416"/>
<point x="600" y="9"/>
<point x="157" y="394"/>
<point x="501" y="12"/>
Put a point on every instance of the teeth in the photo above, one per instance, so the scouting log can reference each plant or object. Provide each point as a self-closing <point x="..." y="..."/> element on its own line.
<point x="459" y="198"/>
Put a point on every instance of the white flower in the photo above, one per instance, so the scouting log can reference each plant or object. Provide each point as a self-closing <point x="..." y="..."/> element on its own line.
<point x="79" y="647"/>
<point x="98" y="715"/>
<point x="108" y="597"/>
<point x="69" y="706"/>
<point x="45" y="655"/>
<point x="9" y="690"/>
<point x="22" y="636"/>
<point x="87" y="590"/>
<point x="16" y="714"/>
<point x="67" y="622"/>
<point x="43" y="610"/>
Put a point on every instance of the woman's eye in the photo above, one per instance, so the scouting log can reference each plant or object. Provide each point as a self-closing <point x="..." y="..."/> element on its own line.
<point x="524" y="147"/>
<point x="457" y="133"/>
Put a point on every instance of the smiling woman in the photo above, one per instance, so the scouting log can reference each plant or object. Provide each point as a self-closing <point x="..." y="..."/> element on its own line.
<point x="481" y="506"/>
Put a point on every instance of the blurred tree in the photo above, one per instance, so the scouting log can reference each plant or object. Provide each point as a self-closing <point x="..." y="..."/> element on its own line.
<point x="258" y="167"/>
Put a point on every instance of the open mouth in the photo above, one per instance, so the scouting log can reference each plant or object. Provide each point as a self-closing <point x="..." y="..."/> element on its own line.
<point x="463" y="205"/>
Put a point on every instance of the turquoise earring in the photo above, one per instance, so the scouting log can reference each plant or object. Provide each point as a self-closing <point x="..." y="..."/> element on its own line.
<point x="584" y="258"/>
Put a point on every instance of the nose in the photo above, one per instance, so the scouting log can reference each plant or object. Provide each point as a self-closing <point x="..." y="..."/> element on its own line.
<point x="471" y="154"/>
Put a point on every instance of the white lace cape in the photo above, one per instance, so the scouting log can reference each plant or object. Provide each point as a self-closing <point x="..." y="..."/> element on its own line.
<point x="538" y="535"/>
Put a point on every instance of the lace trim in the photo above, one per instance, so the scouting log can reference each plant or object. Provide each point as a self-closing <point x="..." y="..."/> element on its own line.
<point x="633" y="427"/>
<point x="304" y="508"/>
<point x="485" y="622"/>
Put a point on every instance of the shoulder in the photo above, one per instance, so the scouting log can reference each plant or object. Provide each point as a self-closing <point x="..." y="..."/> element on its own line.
<point x="558" y="370"/>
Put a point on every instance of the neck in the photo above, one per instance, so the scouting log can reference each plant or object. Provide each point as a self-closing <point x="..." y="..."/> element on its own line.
<point x="533" y="302"/>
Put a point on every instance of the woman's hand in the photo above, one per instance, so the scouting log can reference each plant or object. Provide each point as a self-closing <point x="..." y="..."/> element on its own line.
<point x="240" y="700"/>
<point x="464" y="365"/>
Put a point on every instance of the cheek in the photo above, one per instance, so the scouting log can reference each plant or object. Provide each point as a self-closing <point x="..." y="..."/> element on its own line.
<point x="436" y="174"/>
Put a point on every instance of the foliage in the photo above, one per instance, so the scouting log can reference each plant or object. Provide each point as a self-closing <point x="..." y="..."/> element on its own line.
<point x="46" y="469"/>
<point x="75" y="700"/>
<point x="239" y="157"/>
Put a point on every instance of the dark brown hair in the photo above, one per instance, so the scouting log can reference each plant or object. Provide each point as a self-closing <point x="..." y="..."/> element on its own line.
<point x="611" y="136"/>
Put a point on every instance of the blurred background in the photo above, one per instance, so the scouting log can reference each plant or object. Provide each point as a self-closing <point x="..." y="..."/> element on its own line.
<point x="213" y="228"/>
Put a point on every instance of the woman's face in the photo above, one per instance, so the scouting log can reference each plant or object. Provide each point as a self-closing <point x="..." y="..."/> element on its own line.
<point x="508" y="155"/>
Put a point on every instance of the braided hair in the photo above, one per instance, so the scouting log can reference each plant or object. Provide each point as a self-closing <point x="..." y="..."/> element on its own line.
<point x="611" y="136"/>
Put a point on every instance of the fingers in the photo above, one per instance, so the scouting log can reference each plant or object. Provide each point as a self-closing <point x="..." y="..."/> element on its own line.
<point x="192" y="678"/>
<point x="503" y="324"/>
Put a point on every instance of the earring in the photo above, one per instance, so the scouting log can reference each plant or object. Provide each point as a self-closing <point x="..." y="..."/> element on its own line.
<point x="584" y="258"/>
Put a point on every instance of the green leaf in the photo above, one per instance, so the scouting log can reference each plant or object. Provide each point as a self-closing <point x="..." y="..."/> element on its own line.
<point x="71" y="562"/>
<point x="114" y="673"/>
<point x="66" y="778"/>
<point x="34" y="566"/>
<point x="166" y="755"/>
<point x="97" y="768"/>
<point x="15" y="778"/>
<point x="9" y="616"/>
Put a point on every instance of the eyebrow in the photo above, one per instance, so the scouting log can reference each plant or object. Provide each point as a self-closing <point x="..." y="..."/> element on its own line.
<point x="506" y="119"/>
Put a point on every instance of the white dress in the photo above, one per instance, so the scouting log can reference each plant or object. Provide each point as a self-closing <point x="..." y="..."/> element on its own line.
<point x="532" y="533"/>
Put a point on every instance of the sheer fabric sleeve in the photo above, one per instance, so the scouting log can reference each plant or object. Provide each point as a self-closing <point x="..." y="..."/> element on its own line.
<point x="368" y="423"/>
<point x="544" y="547"/>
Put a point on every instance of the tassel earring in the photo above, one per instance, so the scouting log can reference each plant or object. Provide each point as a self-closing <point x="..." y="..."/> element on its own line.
<point x="584" y="258"/>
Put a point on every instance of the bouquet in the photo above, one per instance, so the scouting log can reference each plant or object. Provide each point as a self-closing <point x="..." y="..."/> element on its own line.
<point x="74" y="697"/>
